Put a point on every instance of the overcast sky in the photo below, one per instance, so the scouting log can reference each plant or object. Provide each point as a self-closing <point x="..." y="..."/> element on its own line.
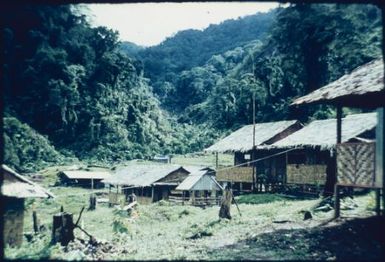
<point x="149" y="24"/>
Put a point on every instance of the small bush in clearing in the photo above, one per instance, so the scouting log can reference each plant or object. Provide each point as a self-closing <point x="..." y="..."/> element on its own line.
<point x="259" y="198"/>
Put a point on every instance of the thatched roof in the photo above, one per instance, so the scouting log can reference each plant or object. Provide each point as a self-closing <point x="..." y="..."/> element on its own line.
<point x="323" y="133"/>
<point x="141" y="175"/>
<point x="200" y="180"/>
<point x="366" y="80"/>
<point x="242" y="139"/>
<point x="82" y="174"/>
<point x="15" y="185"/>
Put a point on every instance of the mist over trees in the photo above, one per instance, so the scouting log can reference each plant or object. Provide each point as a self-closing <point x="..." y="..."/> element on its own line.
<point x="95" y="98"/>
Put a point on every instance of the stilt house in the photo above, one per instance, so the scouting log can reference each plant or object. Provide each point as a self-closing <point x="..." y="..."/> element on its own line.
<point x="314" y="145"/>
<point x="240" y="143"/>
<point x="358" y="164"/>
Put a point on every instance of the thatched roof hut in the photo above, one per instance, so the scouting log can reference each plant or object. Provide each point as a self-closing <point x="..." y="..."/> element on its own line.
<point x="265" y="134"/>
<point x="142" y="175"/>
<point x="364" y="86"/>
<point x="82" y="174"/>
<point x="14" y="189"/>
<point x="322" y="133"/>
<point x="15" y="185"/>
<point x="83" y="177"/>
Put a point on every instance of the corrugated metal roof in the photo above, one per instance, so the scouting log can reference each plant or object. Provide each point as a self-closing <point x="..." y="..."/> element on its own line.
<point x="15" y="185"/>
<point x="200" y="180"/>
<point x="82" y="174"/>
<point x="323" y="133"/>
<point x="141" y="175"/>
<point x="242" y="139"/>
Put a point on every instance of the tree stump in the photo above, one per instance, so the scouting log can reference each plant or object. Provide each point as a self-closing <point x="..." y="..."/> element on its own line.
<point x="224" y="211"/>
<point x="92" y="202"/>
<point x="63" y="228"/>
<point x="307" y="215"/>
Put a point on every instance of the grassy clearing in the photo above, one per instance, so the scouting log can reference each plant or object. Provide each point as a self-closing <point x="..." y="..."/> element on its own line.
<point x="165" y="231"/>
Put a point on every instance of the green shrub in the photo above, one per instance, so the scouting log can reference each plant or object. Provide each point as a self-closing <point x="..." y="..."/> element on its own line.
<point x="259" y="198"/>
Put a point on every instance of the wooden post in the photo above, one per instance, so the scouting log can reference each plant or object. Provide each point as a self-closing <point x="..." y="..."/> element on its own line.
<point x="378" y="201"/>
<point x="216" y="160"/>
<point x="92" y="205"/>
<point x="336" y="201"/>
<point x="193" y="197"/>
<point x="339" y="139"/>
<point x="152" y="193"/>
<point x="35" y="222"/>
<point x="287" y="162"/>
<point x="381" y="122"/>
<point x="62" y="229"/>
<point x="92" y="197"/>
<point x="253" y="186"/>
<point x="380" y="160"/>
<point x="339" y="124"/>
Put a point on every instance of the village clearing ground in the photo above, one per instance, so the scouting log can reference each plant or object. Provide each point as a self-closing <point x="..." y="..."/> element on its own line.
<point x="272" y="228"/>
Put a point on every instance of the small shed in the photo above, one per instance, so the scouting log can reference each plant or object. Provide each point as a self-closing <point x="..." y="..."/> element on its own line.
<point x="240" y="143"/>
<point x="14" y="190"/>
<point x="199" y="188"/>
<point x="150" y="183"/>
<point x="83" y="178"/>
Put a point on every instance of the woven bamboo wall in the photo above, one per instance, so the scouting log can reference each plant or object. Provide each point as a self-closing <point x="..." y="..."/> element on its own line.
<point x="236" y="174"/>
<point x="306" y="174"/>
<point x="356" y="164"/>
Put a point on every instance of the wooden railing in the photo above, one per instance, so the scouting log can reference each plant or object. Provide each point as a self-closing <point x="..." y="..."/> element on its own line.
<point x="197" y="201"/>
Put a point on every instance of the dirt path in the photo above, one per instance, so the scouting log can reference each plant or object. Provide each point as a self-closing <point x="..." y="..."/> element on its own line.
<point x="346" y="239"/>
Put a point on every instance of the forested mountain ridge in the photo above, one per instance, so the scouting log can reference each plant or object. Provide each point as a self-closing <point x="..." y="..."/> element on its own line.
<point x="77" y="86"/>
<point x="69" y="82"/>
<point x="190" y="48"/>
<point x="307" y="47"/>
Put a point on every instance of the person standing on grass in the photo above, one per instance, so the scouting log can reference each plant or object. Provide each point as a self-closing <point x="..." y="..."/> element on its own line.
<point x="224" y="211"/>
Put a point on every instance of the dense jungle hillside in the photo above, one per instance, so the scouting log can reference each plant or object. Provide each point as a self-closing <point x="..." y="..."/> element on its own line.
<point x="77" y="91"/>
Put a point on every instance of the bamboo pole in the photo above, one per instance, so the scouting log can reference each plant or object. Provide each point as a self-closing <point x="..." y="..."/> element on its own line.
<point x="253" y="150"/>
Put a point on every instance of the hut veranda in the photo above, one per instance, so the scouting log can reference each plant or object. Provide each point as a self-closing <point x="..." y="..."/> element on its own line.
<point x="247" y="145"/>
